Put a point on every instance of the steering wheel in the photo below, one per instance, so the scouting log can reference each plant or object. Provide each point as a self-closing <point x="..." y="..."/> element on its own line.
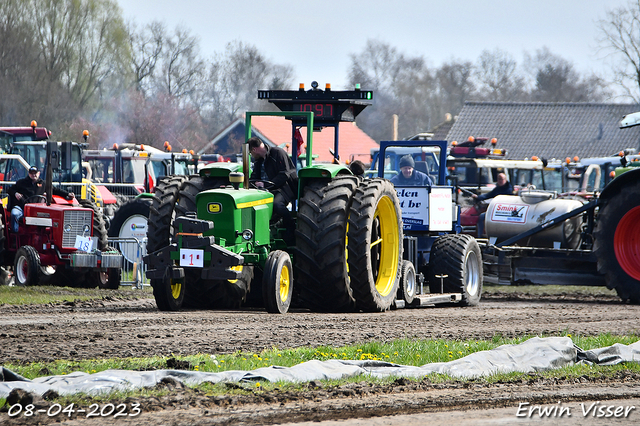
<point x="42" y="199"/>
<point x="267" y="184"/>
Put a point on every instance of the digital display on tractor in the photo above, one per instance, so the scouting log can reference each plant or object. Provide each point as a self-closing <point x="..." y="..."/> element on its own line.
<point x="320" y="110"/>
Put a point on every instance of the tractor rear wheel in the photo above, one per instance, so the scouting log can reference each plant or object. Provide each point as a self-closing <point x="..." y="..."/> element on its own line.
<point x="27" y="266"/>
<point x="99" y="229"/>
<point x="375" y="244"/>
<point x="161" y="212"/>
<point x="616" y="242"/>
<point x="277" y="282"/>
<point x="169" y="294"/>
<point x="322" y="276"/>
<point x="458" y="257"/>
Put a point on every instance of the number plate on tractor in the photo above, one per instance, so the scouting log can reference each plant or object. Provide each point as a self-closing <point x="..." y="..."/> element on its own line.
<point x="191" y="258"/>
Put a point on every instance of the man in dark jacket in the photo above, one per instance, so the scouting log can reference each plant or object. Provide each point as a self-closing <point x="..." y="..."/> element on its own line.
<point x="409" y="176"/>
<point x="25" y="188"/>
<point x="503" y="187"/>
<point x="274" y="164"/>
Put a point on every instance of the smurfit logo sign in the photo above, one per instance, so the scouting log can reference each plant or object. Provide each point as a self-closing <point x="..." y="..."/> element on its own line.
<point x="136" y="226"/>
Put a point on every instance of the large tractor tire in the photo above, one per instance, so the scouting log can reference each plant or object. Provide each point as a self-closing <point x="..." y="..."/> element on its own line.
<point x="169" y="295"/>
<point x="321" y="274"/>
<point x="616" y="240"/>
<point x="99" y="229"/>
<point x="459" y="258"/>
<point x="211" y="294"/>
<point x="161" y="212"/>
<point x="375" y="245"/>
<point x="26" y="266"/>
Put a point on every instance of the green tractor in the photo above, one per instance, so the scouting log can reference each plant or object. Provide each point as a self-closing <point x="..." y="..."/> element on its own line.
<point x="211" y="243"/>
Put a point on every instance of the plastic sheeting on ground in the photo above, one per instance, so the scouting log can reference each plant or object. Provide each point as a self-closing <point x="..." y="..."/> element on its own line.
<point x="536" y="354"/>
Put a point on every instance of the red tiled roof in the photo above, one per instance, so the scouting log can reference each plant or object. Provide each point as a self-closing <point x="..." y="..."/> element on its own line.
<point x="351" y="140"/>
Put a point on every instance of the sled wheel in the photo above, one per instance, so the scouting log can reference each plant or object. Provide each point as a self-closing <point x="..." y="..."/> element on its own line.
<point x="616" y="241"/>
<point x="375" y="245"/>
<point x="277" y="282"/>
<point x="322" y="275"/>
<point x="408" y="285"/>
<point x="458" y="257"/>
<point x="168" y="293"/>
<point x="27" y="266"/>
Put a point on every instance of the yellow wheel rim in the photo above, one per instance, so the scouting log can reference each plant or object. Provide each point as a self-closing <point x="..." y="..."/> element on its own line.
<point x="235" y="268"/>
<point x="176" y="289"/>
<point x="284" y="283"/>
<point x="389" y="249"/>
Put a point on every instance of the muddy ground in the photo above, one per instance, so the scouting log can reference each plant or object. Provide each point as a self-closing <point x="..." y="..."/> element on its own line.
<point x="121" y="327"/>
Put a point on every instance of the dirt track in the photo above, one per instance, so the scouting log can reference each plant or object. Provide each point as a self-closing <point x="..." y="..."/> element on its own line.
<point x="124" y="328"/>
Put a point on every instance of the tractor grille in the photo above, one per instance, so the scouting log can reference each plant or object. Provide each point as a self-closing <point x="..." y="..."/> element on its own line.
<point x="74" y="222"/>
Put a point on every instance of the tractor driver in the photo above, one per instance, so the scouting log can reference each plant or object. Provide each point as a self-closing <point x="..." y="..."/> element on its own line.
<point x="409" y="176"/>
<point x="25" y="188"/>
<point x="503" y="187"/>
<point x="274" y="164"/>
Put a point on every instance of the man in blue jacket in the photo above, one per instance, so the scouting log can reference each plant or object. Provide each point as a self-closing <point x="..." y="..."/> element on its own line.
<point x="409" y="176"/>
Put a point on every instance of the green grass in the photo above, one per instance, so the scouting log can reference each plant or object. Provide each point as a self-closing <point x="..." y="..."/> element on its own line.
<point x="404" y="351"/>
<point x="43" y="295"/>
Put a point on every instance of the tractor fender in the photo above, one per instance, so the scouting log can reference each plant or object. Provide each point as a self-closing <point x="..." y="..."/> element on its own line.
<point x="630" y="177"/>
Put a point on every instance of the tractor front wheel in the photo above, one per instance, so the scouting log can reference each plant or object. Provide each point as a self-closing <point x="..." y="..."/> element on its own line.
<point x="408" y="283"/>
<point x="169" y="293"/>
<point x="277" y="282"/>
<point x="27" y="266"/>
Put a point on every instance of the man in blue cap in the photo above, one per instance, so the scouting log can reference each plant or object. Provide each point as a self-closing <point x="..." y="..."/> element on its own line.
<point x="409" y="176"/>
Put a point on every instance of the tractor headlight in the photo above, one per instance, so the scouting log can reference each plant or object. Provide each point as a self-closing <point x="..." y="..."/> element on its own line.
<point x="67" y="228"/>
<point x="247" y="234"/>
<point x="86" y="228"/>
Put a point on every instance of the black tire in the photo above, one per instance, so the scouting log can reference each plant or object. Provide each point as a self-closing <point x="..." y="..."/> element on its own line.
<point x="137" y="209"/>
<point x="321" y="274"/>
<point x="26" y="266"/>
<point x="169" y="294"/>
<point x="375" y="245"/>
<point x="99" y="229"/>
<point x="458" y="257"/>
<point x="615" y="241"/>
<point x="408" y="283"/>
<point x="277" y="282"/>
<point x="161" y="212"/>
<point x="217" y="294"/>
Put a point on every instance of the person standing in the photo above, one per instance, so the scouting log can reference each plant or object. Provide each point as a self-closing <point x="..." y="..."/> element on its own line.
<point x="275" y="165"/>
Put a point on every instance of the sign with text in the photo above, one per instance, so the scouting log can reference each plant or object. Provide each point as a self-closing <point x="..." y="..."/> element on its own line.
<point x="440" y="209"/>
<point x="192" y="258"/>
<point x="508" y="212"/>
<point x="414" y="203"/>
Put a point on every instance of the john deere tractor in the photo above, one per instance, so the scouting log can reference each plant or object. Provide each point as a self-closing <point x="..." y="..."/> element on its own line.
<point x="211" y="242"/>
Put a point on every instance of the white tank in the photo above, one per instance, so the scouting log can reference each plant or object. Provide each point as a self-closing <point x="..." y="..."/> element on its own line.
<point x="509" y="215"/>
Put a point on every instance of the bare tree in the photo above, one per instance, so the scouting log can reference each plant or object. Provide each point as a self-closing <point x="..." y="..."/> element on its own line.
<point x="182" y="69"/>
<point x="620" y="39"/>
<point x="556" y="80"/>
<point x="146" y="47"/>
<point x="498" y="79"/>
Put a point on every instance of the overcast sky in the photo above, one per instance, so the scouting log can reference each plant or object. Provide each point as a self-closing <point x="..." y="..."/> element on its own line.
<point x="317" y="37"/>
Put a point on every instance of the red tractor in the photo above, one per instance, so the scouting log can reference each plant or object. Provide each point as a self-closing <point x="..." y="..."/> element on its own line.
<point x="59" y="242"/>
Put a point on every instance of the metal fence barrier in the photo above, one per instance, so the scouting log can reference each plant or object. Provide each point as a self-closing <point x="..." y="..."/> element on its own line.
<point x="133" y="267"/>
